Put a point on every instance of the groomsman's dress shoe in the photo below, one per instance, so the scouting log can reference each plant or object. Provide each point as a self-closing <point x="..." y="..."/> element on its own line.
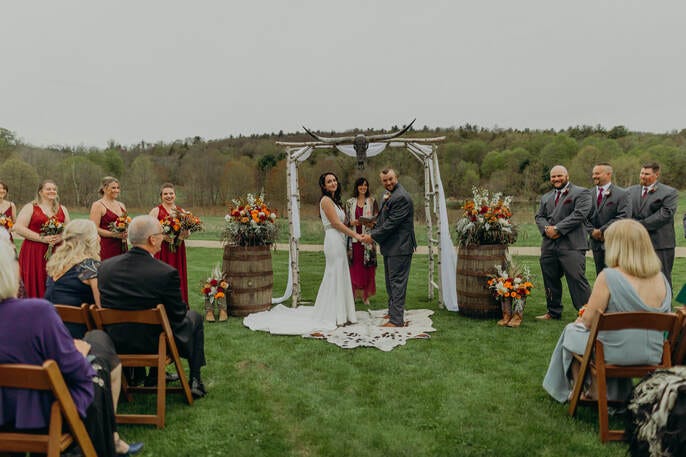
<point x="134" y="448"/>
<point x="547" y="317"/>
<point x="197" y="388"/>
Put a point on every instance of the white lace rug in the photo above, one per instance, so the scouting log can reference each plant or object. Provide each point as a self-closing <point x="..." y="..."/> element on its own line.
<point x="367" y="332"/>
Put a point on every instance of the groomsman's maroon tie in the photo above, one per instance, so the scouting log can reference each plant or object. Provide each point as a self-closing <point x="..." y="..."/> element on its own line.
<point x="600" y="196"/>
<point x="557" y="196"/>
<point x="645" y="192"/>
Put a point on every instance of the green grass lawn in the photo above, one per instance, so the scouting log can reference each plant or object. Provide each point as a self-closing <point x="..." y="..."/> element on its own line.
<point x="473" y="389"/>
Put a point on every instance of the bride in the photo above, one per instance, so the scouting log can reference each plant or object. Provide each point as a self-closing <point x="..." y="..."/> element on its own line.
<point x="335" y="304"/>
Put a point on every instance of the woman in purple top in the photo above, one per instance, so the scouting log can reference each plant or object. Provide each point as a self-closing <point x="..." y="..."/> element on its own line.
<point x="32" y="332"/>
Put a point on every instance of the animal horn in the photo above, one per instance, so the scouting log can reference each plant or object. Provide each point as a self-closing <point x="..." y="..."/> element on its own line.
<point x="388" y="136"/>
<point x="329" y="140"/>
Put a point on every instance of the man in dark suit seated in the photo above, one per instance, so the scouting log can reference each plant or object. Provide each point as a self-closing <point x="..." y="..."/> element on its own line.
<point x="136" y="280"/>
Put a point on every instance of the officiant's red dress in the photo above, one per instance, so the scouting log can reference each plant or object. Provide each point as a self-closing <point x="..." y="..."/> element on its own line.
<point x="32" y="256"/>
<point x="363" y="277"/>
<point x="110" y="247"/>
<point x="175" y="259"/>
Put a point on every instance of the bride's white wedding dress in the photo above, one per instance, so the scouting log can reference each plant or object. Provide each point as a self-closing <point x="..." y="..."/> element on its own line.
<point x="335" y="304"/>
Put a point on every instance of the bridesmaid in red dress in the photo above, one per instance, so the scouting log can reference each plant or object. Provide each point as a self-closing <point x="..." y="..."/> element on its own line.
<point x="176" y="259"/>
<point x="362" y="257"/>
<point x="103" y="213"/>
<point x="29" y="221"/>
<point x="7" y="208"/>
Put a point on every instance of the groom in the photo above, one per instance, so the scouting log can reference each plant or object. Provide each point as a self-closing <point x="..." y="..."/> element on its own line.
<point x="394" y="231"/>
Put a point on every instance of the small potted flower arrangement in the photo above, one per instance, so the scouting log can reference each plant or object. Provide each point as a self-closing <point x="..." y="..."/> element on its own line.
<point x="215" y="290"/>
<point x="510" y="287"/>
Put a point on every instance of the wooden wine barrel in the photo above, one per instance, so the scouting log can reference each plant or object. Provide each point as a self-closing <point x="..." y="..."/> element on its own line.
<point x="249" y="272"/>
<point x="474" y="264"/>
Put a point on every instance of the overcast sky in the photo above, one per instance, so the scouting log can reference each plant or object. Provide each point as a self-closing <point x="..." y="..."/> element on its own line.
<point x="82" y="72"/>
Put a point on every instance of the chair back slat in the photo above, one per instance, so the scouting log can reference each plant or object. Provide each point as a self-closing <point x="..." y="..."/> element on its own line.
<point x="75" y="315"/>
<point x="45" y="378"/>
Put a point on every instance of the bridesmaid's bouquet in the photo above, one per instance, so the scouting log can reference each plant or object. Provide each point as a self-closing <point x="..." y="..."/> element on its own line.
<point x="121" y="225"/>
<point x="171" y="227"/>
<point x="189" y="221"/>
<point x="6" y="221"/>
<point x="250" y="222"/>
<point x="51" y="227"/>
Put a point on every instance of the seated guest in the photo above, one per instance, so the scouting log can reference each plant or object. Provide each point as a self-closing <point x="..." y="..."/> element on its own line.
<point x="632" y="281"/>
<point x="73" y="269"/>
<point x="31" y="332"/>
<point x="136" y="280"/>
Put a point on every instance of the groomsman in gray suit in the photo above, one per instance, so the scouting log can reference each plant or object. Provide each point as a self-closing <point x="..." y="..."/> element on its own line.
<point x="654" y="204"/>
<point x="610" y="203"/>
<point x="562" y="220"/>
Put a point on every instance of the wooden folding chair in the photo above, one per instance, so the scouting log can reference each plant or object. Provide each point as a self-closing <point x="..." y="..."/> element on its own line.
<point x="593" y="360"/>
<point x="166" y="354"/>
<point x="46" y="377"/>
<point x="679" y="341"/>
<point x="76" y="315"/>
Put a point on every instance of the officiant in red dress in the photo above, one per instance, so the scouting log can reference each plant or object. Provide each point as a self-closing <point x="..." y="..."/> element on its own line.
<point x="361" y="209"/>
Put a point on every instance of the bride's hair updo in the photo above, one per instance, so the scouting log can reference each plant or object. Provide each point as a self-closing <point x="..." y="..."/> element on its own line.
<point x="336" y="197"/>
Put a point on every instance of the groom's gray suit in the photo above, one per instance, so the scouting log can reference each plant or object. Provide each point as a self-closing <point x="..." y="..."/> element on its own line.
<point x="394" y="232"/>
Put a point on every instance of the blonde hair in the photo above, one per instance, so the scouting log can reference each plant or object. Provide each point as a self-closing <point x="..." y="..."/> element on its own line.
<point x="106" y="181"/>
<point x="56" y="203"/>
<point x="9" y="279"/>
<point x="628" y="246"/>
<point x="79" y="242"/>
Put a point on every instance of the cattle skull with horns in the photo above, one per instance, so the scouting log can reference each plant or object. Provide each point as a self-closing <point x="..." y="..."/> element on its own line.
<point x="360" y="142"/>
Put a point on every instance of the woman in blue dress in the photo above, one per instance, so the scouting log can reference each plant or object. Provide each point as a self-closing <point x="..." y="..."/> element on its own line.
<point x="632" y="281"/>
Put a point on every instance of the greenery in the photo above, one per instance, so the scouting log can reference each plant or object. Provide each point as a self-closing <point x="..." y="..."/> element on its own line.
<point x="209" y="172"/>
<point x="464" y="392"/>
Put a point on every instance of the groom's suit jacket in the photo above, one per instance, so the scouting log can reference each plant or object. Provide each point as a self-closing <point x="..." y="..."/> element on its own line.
<point x="615" y="205"/>
<point x="394" y="230"/>
<point x="570" y="216"/>
<point x="656" y="212"/>
<point x="136" y="280"/>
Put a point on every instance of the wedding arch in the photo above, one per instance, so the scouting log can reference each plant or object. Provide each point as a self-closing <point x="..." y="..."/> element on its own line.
<point x="441" y="250"/>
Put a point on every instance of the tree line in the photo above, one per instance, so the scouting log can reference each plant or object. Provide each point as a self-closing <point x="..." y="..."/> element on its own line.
<point x="210" y="172"/>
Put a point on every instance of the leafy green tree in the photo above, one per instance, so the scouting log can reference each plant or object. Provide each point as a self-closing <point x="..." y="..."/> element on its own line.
<point x="21" y="178"/>
<point x="559" y="151"/>
<point x="78" y="179"/>
<point x="141" y="183"/>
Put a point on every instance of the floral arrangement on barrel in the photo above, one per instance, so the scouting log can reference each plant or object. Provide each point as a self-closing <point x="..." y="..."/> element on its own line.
<point x="174" y="224"/>
<point x="214" y="290"/>
<point x="121" y="225"/>
<point x="486" y="220"/>
<point x="250" y="222"/>
<point x="49" y="228"/>
<point x="511" y="286"/>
